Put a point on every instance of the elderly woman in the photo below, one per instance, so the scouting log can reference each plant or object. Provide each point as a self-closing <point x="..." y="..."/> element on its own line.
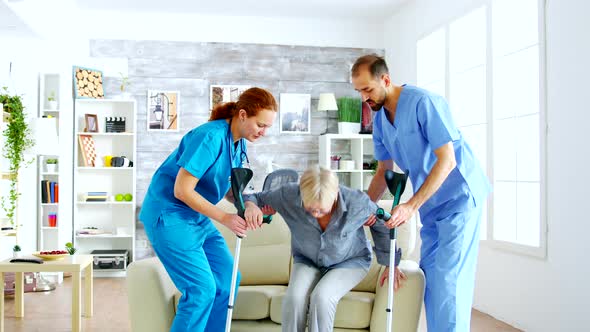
<point x="331" y="251"/>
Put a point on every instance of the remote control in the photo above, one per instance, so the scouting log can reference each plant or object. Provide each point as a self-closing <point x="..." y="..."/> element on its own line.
<point x="26" y="260"/>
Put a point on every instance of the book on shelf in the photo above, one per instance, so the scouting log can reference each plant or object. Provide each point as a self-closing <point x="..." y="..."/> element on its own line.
<point x="49" y="192"/>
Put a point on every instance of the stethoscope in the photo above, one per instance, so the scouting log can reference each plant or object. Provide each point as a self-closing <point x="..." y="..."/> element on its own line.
<point x="243" y="154"/>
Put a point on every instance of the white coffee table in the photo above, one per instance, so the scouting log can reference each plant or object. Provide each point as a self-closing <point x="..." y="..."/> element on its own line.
<point x="74" y="264"/>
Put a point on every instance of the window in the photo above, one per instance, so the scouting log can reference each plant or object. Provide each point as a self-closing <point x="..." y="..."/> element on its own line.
<point x="487" y="64"/>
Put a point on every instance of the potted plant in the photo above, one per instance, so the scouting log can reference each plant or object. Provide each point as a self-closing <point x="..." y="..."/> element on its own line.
<point x="125" y="83"/>
<point x="51" y="165"/>
<point x="16" y="251"/>
<point x="349" y="115"/>
<point x="70" y="248"/>
<point x="51" y="101"/>
<point x="17" y="139"/>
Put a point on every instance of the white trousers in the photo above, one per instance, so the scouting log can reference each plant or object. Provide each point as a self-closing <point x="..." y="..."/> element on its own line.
<point x="317" y="293"/>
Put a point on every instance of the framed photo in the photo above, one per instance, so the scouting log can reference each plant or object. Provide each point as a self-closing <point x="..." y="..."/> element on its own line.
<point x="225" y="93"/>
<point x="91" y="121"/>
<point x="163" y="110"/>
<point x="294" y="115"/>
<point x="87" y="83"/>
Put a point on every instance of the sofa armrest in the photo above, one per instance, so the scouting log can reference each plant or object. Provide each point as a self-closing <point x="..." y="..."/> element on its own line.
<point x="151" y="296"/>
<point x="407" y="302"/>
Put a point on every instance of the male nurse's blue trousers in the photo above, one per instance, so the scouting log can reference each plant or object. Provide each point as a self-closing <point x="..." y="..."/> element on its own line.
<point x="199" y="263"/>
<point x="450" y="244"/>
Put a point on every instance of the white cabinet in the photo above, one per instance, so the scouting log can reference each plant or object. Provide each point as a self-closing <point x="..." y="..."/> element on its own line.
<point x="353" y="150"/>
<point x="102" y="220"/>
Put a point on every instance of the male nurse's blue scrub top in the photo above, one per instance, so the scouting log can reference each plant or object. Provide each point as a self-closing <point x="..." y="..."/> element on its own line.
<point x="205" y="153"/>
<point x="422" y="124"/>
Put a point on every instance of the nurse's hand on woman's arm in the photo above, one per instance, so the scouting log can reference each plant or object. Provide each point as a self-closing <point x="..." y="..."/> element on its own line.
<point x="253" y="215"/>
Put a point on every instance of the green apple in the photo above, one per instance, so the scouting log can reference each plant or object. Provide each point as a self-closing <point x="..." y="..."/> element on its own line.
<point x="128" y="197"/>
<point x="119" y="197"/>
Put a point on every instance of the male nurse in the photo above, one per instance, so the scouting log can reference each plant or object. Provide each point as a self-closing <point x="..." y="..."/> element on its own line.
<point x="414" y="128"/>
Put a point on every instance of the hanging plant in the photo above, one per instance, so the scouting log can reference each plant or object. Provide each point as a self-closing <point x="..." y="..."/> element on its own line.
<point x="17" y="140"/>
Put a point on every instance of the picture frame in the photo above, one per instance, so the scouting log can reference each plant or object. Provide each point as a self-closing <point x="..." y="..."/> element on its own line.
<point x="163" y="111"/>
<point x="225" y="93"/>
<point x="87" y="150"/>
<point x="87" y="83"/>
<point x="294" y="114"/>
<point x="91" y="122"/>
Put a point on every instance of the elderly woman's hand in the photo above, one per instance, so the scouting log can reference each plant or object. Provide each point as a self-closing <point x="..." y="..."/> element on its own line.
<point x="399" y="278"/>
<point x="370" y="220"/>
<point x="253" y="215"/>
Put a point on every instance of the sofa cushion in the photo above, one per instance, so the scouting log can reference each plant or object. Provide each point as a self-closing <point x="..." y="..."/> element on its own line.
<point x="253" y="302"/>
<point x="353" y="311"/>
<point x="265" y="254"/>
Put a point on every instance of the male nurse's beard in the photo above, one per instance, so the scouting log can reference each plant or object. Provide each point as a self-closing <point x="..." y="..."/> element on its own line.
<point x="374" y="106"/>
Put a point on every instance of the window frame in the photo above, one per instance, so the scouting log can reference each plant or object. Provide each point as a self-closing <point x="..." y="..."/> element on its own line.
<point x="514" y="247"/>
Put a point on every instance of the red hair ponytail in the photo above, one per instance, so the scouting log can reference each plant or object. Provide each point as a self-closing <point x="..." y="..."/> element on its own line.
<point x="252" y="101"/>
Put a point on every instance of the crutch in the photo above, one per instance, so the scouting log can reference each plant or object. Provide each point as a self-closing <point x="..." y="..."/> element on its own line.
<point x="239" y="179"/>
<point x="396" y="182"/>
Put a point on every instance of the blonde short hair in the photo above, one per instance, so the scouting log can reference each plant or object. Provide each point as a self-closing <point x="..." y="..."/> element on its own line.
<point x="318" y="184"/>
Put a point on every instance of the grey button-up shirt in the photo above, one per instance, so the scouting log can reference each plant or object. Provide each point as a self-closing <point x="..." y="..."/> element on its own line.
<point x="343" y="243"/>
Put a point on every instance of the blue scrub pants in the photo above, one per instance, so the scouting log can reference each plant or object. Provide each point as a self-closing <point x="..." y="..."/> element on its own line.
<point x="450" y="243"/>
<point x="200" y="264"/>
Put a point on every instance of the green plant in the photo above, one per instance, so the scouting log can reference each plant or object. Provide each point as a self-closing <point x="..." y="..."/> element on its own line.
<point x="349" y="109"/>
<point x="51" y="96"/>
<point x="125" y="82"/>
<point x="51" y="161"/>
<point x="70" y="248"/>
<point x="18" y="139"/>
<point x="16" y="248"/>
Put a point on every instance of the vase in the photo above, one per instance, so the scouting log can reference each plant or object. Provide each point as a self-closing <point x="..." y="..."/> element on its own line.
<point x="50" y="168"/>
<point x="52" y="105"/>
<point x="15" y="254"/>
<point x="349" y="127"/>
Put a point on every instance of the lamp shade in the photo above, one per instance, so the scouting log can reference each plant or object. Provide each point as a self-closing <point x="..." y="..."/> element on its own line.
<point x="44" y="132"/>
<point x="327" y="102"/>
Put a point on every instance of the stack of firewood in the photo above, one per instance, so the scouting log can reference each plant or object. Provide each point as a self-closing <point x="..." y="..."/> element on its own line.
<point x="89" y="83"/>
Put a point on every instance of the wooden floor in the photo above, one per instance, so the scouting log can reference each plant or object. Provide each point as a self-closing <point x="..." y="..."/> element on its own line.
<point x="51" y="311"/>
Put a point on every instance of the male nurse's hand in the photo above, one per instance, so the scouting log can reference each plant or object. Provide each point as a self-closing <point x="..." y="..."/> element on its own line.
<point x="253" y="215"/>
<point x="398" y="276"/>
<point x="235" y="224"/>
<point x="399" y="215"/>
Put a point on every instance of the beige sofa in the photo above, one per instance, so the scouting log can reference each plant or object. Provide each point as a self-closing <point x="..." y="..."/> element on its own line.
<point x="265" y="262"/>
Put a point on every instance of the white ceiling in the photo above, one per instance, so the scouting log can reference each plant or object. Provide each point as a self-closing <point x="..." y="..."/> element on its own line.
<point x="36" y="18"/>
<point x="328" y="9"/>
<point x="11" y="24"/>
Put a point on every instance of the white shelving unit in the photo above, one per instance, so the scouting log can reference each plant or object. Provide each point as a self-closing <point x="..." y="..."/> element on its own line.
<point x="51" y="237"/>
<point x="116" y="220"/>
<point x="357" y="148"/>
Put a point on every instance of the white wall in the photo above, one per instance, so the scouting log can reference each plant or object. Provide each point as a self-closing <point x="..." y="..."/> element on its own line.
<point x="532" y="294"/>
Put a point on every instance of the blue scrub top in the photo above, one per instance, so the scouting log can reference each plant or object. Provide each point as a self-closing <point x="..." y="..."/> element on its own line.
<point x="422" y="124"/>
<point x="204" y="152"/>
